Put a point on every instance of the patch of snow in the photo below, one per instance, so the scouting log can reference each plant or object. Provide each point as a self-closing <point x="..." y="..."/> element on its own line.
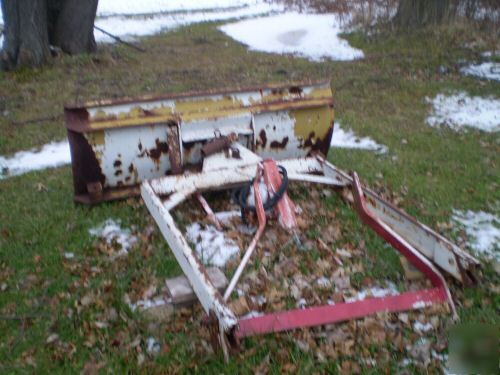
<point x="483" y="231"/>
<point x="489" y="53"/>
<point x="144" y="304"/>
<point x="127" y="27"/>
<point x="259" y="300"/>
<point x="301" y="303"/>
<point x="440" y="357"/>
<point x="421" y="304"/>
<point x="313" y="36"/>
<point x="347" y="139"/>
<point x="251" y="314"/>
<point x="406" y="362"/>
<point x="460" y="110"/>
<point x="211" y="246"/>
<point x="324" y="282"/>
<point x="486" y="70"/>
<point x="374" y="292"/>
<point x="152" y="346"/>
<point x="422" y="327"/>
<point x="131" y="7"/>
<point x="443" y="358"/>
<point x="51" y="155"/>
<point x="225" y="217"/>
<point x="111" y="232"/>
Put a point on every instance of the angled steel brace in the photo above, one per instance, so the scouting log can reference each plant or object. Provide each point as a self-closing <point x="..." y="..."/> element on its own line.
<point x="419" y="244"/>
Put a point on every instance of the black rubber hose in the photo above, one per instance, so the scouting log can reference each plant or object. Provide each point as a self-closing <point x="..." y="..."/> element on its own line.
<point x="240" y="196"/>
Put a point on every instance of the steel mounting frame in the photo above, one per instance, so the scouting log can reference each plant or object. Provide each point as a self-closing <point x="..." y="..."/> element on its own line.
<point x="425" y="249"/>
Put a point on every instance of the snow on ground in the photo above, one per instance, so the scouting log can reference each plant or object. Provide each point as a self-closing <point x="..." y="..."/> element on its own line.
<point x="485" y="70"/>
<point x="127" y="27"/>
<point x="483" y="231"/>
<point x="211" y="246"/>
<point x="422" y="327"/>
<point x="225" y="217"/>
<point x="145" y="304"/>
<point x="374" y="292"/>
<point x="313" y="36"/>
<point x="460" y="110"/>
<point x="152" y="346"/>
<point x="252" y="314"/>
<point x="131" y="7"/>
<point x="347" y="139"/>
<point x="490" y="53"/>
<point x="51" y="155"/>
<point x="112" y="233"/>
<point x="128" y="18"/>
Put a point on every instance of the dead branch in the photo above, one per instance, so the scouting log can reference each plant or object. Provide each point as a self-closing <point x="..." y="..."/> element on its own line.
<point x="120" y="40"/>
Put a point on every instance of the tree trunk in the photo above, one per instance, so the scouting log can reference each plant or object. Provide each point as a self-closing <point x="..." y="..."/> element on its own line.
<point x="26" y="40"/>
<point x="73" y="27"/>
<point x="413" y="14"/>
<point x="30" y="26"/>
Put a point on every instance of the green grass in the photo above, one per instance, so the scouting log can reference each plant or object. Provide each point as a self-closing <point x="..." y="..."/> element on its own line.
<point x="381" y="96"/>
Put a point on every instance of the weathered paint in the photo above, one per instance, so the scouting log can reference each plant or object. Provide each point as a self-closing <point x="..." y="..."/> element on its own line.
<point x="208" y="295"/>
<point x="191" y="106"/>
<point x="129" y="139"/>
<point x="222" y="172"/>
<point x="312" y="127"/>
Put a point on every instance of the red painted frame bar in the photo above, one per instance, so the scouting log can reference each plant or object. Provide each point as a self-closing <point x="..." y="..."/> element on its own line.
<point x="285" y="207"/>
<point x="326" y="314"/>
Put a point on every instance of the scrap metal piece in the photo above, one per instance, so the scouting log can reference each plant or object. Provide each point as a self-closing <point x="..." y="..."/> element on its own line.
<point x="328" y="314"/>
<point x="261" y="217"/>
<point x="174" y="148"/>
<point x="218" y="144"/>
<point x="285" y="207"/>
<point x="208" y="295"/>
<point x="439" y="250"/>
<point x="314" y="169"/>
<point x="208" y="211"/>
<point x="398" y="243"/>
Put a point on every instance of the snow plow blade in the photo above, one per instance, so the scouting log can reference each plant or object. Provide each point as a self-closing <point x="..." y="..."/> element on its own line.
<point x="117" y="144"/>
<point x="173" y="148"/>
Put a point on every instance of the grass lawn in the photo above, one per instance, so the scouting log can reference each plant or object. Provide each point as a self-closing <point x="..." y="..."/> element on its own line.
<point x="382" y="96"/>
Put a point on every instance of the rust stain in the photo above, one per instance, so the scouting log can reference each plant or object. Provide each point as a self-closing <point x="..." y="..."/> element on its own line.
<point x="314" y="127"/>
<point x="262" y="141"/>
<point x="84" y="156"/>
<point x="174" y="149"/>
<point x="282" y="144"/>
<point x="161" y="148"/>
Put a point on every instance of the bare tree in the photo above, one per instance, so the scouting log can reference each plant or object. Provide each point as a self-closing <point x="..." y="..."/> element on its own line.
<point x="31" y="26"/>
<point x="417" y="13"/>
